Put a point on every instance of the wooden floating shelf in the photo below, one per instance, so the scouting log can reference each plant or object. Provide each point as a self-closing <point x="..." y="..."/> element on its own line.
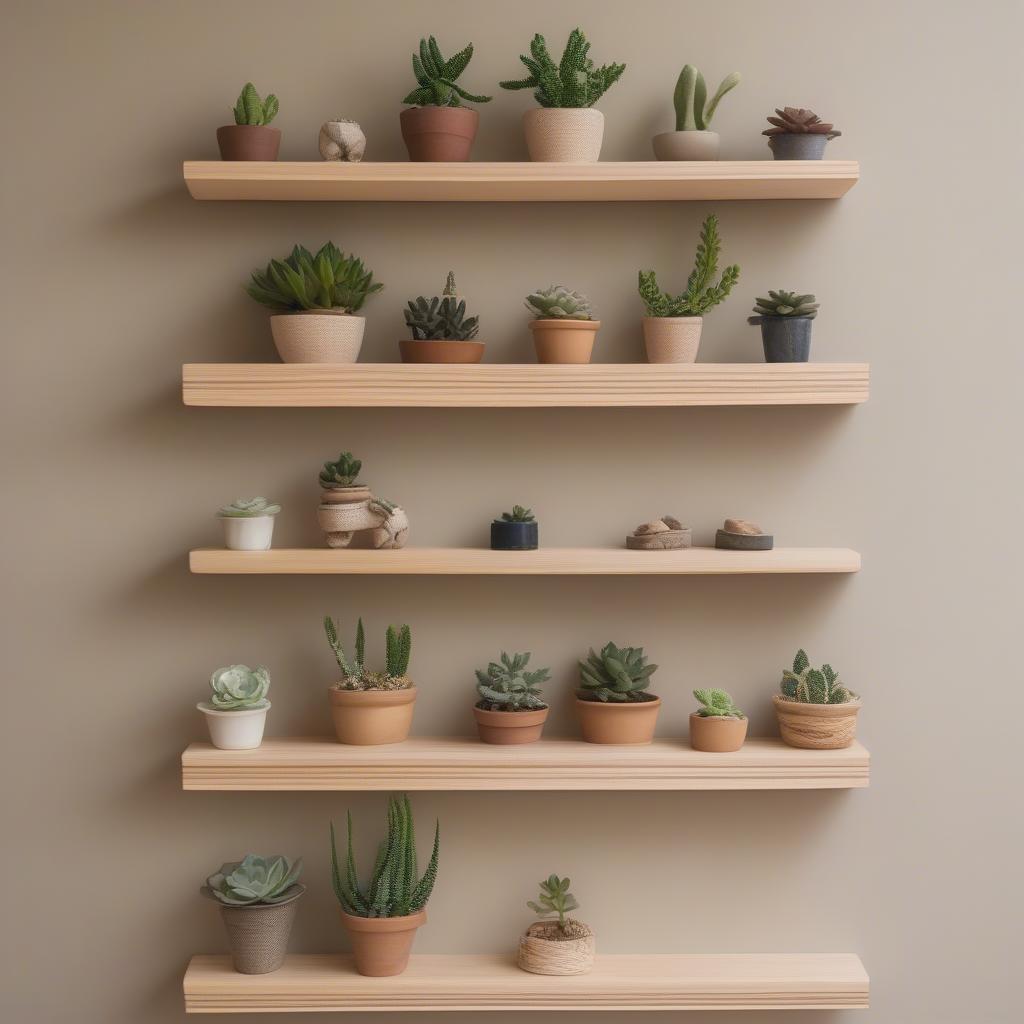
<point x="742" y="981"/>
<point x="543" y="562"/>
<point x="465" y="764"/>
<point x="522" y="386"/>
<point x="635" y="181"/>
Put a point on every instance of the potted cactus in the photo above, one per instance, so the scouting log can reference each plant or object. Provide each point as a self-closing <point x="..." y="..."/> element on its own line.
<point x="717" y="726"/>
<point x="315" y="300"/>
<point x="563" y="327"/>
<point x="510" y="709"/>
<point x="815" y="710"/>
<point x="785" y="322"/>
<point x="441" y="331"/>
<point x="692" y="139"/>
<point x="557" y="944"/>
<point x="258" y="898"/>
<point x="673" y="323"/>
<point x="437" y="126"/>
<point x="236" y="712"/>
<point x="382" y="917"/>
<point x="251" y="137"/>
<point x="517" y="530"/>
<point x="368" y="707"/>
<point x="613" y="703"/>
<point x="565" y="128"/>
<point x="798" y="134"/>
<point x="248" y="524"/>
<point x="339" y="481"/>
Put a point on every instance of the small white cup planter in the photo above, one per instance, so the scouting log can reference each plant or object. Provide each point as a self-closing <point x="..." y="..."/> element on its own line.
<point x="235" y="730"/>
<point x="248" y="524"/>
<point x="318" y="336"/>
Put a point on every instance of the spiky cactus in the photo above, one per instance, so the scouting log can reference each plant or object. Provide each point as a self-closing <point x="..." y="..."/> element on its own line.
<point x="782" y="303"/>
<point x="328" y="280"/>
<point x="798" y="121"/>
<point x="442" y="318"/>
<point x="693" y="111"/>
<point x="254" y="879"/>
<point x="518" y="515"/>
<point x="355" y="674"/>
<point x="239" y="688"/>
<point x="437" y="77"/>
<point x="556" y="302"/>
<point x="808" y="685"/>
<point x="249" y="508"/>
<point x="507" y="686"/>
<point x="343" y="472"/>
<point x="251" y="110"/>
<point x="618" y="675"/>
<point x="716" y="704"/>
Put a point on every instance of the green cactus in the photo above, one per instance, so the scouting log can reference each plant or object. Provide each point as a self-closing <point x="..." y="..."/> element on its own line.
<point x="555" y="901"/>
<point x="394" y="889"/>
<point x="700" y="295"/>
<point x="343" y="472"/>
<point x="556" y="302"/>
<point x="249" y="508"/>
<point x="618" y="674"/>
<point x="782" y="303"/>
<point x="798" y="121"/>
<point x="693" y="112"/>
<point x="441" y="318"/>
<point x="518" y="515"/>
<point x="716" y="704"/>
<point x="239" y="688"/>
<point x="437" y="77"/>
<point x="573" y="82"/>
<point x="355" y="675"/>
<point x="808" y="685"/>
<point x="507" y="686"/>
<point x="251" y="110"/>
<point x="254" y="880"/>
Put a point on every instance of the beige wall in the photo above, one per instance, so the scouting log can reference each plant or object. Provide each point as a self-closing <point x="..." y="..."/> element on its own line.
<point x="113" y="277"/>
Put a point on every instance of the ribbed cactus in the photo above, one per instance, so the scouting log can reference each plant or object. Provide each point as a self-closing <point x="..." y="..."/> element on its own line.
<point x="519" y="514"/>
<point x="356" y="676"/>
<point x="618" y="675"/>
<point x="251" y="110"/>
<point x="442" y="318"/>
<point x="328" y="280"/>
<point x="813" y="686"/>
<point x="507" y="686"/>
<point x="798" y="121"/>
<point x="716" y="704"/>
<point x="254" y="879"/>
<point x="249" y="508"/>
<point x="782" y="303"/>
<point x="437" y="77"/>
<point x="693" y="111"/>
<point x="556" y="302"/>
<point x="239" y="688"/>
<point x="343" y="472"/>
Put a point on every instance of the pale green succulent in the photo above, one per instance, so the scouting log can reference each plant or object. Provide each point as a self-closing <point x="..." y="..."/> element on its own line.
<point x="716" y="704"/>
<point x="254" y="879"/>
<point x="239" y="688"/>
<point x="556" y="302"/>
<point x="249" y="508"/>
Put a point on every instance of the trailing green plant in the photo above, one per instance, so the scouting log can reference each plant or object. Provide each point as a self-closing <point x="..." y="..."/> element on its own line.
<point x="251" y="110"/>
<point x="343" y="472"/>
<point x="254" y="879"/>
<point x="808" y="685"/>
<point x="798" y="121"/>
<point x="395" y="887"/>
<point x="355" y="675"/>
<point x="249" y="508"/>
<point x="507" y="686"/>
<point x="518" y="515"/>
<point x="437" y="77"/>
<point x="442" y="318"/>
<point x="573" y="82"/>
<point x="701" y="294"/>
<point x="555" y="901"/>
<point x="693" y="111"/>
<point x="782" y="303"/>
<point x="302" y="281"/>
<point x="556" y="302"/>
<point x="716" y="704"/>
<point x="239" y="688"/>
<point x="617" y="675"/>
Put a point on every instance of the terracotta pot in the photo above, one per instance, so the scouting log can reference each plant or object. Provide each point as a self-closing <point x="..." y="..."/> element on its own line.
<point x="381" y="945"/>
<point x="618" y="723"/>
<point x="564" y="341"/>
<point x="672" y="339"/>
<point x="510" y="727"/>
<point x="686" y="145"/>
<point x="816" y="726"/>
<point x="258" y="934"/>
<point x="345" y="495"/>
<point x="565" y="135"/>
<point x="441" y="351"/>
<point x="248" y="142"/>
<point x="369" y="718"/>
<point x="323" y="336"/>
<point x="717" y="734"/>
<point x="556" y="957"/>
<point x="439" y="133"/>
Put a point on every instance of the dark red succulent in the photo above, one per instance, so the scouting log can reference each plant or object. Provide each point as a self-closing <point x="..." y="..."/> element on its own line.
<point x="798" y="121"/>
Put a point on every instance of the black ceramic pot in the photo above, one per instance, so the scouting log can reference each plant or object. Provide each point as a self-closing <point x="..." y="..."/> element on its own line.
<point x="786" y="339"/>
<point x="513" y="536"/>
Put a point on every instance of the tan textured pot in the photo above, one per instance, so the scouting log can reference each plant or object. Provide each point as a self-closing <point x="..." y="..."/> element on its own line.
<point x="717" y="734"/>
<point x="564" y="135"/>
<point x="324" y="336"/>
<point x="672" y="339"/>
<point x="381" y="945"/>
<point x="345" y="495"/>
<point x="441" y="351"/>
<point x="817" y="726"/>
<point x="564" y="341"/>
<point x="556" y="957"/>
<point x="258" y="934"/>
<point x="686" y="145"/>
<point x="248" y="142"/>
<point x="510" y="727"/>
<point x="618" y="723"/>
<point x="369" y="718"/>
<point x="434" y="134"/>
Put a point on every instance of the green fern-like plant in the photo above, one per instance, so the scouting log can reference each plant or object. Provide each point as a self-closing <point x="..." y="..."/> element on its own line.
<point x="716" y="704"/>
<point x="436" y="77"/>
<point x="808" y="685"/>
<point x="507" y="686"/>
<point x="251" y="110"/>
<point x="328" y="280"/>
<point x="355" y="674"/>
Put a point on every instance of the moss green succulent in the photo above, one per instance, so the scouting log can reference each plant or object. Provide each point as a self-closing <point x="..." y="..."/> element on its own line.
<point x="618" y="675"/>
<point x="556" y="302"/>
<point x="716" y="704"/>
<point x="442" y="318"/>
<point x="343" y="472"/>
<point x="783" y="303"/>
<point x="302" y="281"/>
<point x="254" y="880"/>
<point x="249" y="508"/>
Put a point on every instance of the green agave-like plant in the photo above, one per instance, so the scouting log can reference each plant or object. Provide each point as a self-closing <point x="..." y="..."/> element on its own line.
<point x="254" y="879"/>
<point x="617" y="675"/>
<point x="783" y="303"/>
<point x="251" y="110"/>
<point x="716" y="704"/>
<point x="397" y="647"/>
<point x="239" y="688"/>
<point x="809" y="685"/>
<point x="507" y="686"/>
<point x="693" y="110"/>
<point x="436" y="77"/>
<point x="442" y="318"/>
<point x="342" y="472"/>
<point x="518" y="515"/>
<point x="249" y="508"/>
<point x="556" y="302"/>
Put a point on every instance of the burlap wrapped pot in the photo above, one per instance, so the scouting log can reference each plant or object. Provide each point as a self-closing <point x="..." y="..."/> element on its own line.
<point x="258" y="934"/>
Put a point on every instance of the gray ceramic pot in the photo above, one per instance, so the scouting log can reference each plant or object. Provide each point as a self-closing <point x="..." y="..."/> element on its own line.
<point x="797" y="146"/>
<point x="786" y="339"/>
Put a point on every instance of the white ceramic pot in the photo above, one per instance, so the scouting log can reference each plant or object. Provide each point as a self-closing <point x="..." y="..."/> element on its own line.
<point x="324" y="336"/>
<point x="235" y="730"/>
<point x="248" y="533"/>
<point x="564" y="135"/>
<point x="686" y="145"/>
<point x="672" y="339"/>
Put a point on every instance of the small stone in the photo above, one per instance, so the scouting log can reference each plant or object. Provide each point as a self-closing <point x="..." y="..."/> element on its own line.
<point x="742" y="526"/>
<point x="649" y="529"/>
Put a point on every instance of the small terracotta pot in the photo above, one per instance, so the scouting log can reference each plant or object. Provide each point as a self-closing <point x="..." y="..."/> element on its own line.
<point x="381" y="945"/>
<point x="717" y="734"/>
<point x="618" y="723"/>
<point x="555" y="957"/>
<point x="248" y="142"/>
<point x="510" y="727"/>
<point x="370" y="718"/>
<point x="672" y="339"/>
<point x="345" y="495"/>
<point x="258" y="934"/>
<point x="564" y="341"/>
<point x="433" y="134"/>
<point x="686" y="145"/>
<point x="816" y="726"/>
<point x="566" y="135"/>
<point x="320" y="336"/>
<point x="440" y="351"/>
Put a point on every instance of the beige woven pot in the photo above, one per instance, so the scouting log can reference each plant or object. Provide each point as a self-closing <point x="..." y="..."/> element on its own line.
<point x="816" y="726"/>
<point x="554" y="956"/>
<point x="564" y="135"/>
<point x="672" y="339"/>
<point x="325" y="336"/>
<point x="258" y="934"/>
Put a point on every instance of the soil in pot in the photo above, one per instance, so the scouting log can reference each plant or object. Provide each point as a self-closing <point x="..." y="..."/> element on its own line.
<point x="235" y="730"/>
<point x="318" y="336"/>
<point x="672" y="339"/>
<point x="686" y="145"/>
<point x="258" y="934"/>
<point x="816" y="726"/>
<point x="506" y="728"/>
<point x="564" y="341"/>
<point x="441" y="351"/>
<point x="507" y="536"/>
<point x="618" y="723"/>
<point x="248" y="142"/>
<point x="545" y="949"/>
<point x="798" y="146"/>
<point x="381" y="945"/>
<point x="564" y="134"/>
<point x="786" y="339"/>
<point x="717" y="734"/>
<point x="369" y="718"/>
<point x="439" y="133"/>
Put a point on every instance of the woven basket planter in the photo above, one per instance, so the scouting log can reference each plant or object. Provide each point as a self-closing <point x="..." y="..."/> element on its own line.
<point x="540" y="955"/>
<point x="323" y="336"/>
<point x="817" y="726"/>
<point x="258" y="934"/>
<point x="564" y="135"/>
<point x="672" y="339"/>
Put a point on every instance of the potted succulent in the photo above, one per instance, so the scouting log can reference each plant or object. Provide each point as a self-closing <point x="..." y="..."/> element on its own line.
<point x="613" y="703"/>
<point x="248" y="524"/>
<point x="673" y="323"/>
<point x="717" y="726"/>
<point x="339" y="481"/>
<point x="381" y="918"/>
<point x="510" y="709"/>
<point x="237" y="709"/>
<point x="692" y="139"/>
<point x="251" y="137"/>
<point x="563" y="327"/>
<point x="441" y="331"/>
<point x="557" y="944"/>
<point x="437" y="126"/>
<point x="798" y="134"/>
<point x="315" y="300"/>
<point x="369" y="708"/>
<point x="258" y="898"/>
<point x="565" y="128"/>
<point x="515" y="531"/>
<point x="785" y="321"/>
<point x="815" y="710"/>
